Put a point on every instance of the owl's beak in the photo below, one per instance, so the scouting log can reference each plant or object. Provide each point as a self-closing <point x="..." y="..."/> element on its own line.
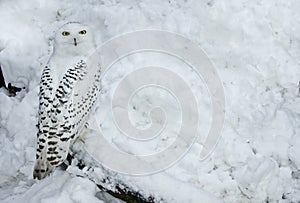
<point x="75" y="43"/>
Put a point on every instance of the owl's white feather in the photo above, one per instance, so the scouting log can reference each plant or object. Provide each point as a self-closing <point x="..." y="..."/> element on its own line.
<point x="68" y="92"/>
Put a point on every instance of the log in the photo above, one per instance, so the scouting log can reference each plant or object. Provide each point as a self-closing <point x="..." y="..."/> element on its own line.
<point x="2" y="81"/>
<point x="12" y="90"/>
<point x="120" y="190"/>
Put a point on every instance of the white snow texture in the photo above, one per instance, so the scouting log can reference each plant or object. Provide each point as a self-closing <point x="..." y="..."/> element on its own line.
<point x="255" y="46"/>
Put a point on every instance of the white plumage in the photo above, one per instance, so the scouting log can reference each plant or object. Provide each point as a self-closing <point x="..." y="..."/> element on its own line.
<point x="68" y="92"/>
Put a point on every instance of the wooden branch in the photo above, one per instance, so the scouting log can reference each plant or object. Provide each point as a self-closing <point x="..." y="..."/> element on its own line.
<point x="122" y="191"/>
<point x="12" y="90"/>
<point x="2" y="81"/>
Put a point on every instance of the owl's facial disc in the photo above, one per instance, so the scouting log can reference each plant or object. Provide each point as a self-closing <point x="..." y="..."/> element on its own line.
<point x="74" y="35"/>
<point x="74" y="39"/>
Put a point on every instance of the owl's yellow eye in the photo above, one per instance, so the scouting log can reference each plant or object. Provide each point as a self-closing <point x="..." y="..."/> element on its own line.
<point x="82" y="32"/>
<point x="65" y="33"/>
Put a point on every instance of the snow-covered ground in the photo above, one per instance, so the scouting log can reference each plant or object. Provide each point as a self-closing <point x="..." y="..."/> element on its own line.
<point x="255" y="47"/>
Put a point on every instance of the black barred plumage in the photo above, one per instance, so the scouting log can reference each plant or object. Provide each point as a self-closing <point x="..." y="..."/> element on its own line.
<point x="60" y="119"/>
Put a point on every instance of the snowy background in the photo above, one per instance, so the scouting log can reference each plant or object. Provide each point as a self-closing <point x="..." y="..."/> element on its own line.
<point x="255" y="47"/>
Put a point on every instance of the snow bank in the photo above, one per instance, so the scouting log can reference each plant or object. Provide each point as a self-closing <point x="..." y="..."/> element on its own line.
<point x="255" y="47"/>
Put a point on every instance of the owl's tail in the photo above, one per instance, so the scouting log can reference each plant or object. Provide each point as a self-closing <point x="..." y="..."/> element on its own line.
<point x="42" y="167"/>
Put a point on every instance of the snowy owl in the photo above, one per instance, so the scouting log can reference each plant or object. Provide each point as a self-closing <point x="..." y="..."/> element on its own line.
<point x="68" y="91"/>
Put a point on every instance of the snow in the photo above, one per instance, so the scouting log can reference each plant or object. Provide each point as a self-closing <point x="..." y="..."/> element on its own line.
<point x="255" y="48"/>
<point x="59" y="188"/>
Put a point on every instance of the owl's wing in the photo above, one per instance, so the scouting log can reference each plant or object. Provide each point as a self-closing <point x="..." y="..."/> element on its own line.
<point x="81" y="93"/>
<point x="63" y="94"/>
<point x="56" y="128"/>
<point x="63" y="115"/>
<point x="45" y="102"/>
<point x="85" y="95"/>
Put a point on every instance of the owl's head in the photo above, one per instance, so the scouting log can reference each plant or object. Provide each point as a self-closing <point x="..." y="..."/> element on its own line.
<point x="74" y="39"/>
